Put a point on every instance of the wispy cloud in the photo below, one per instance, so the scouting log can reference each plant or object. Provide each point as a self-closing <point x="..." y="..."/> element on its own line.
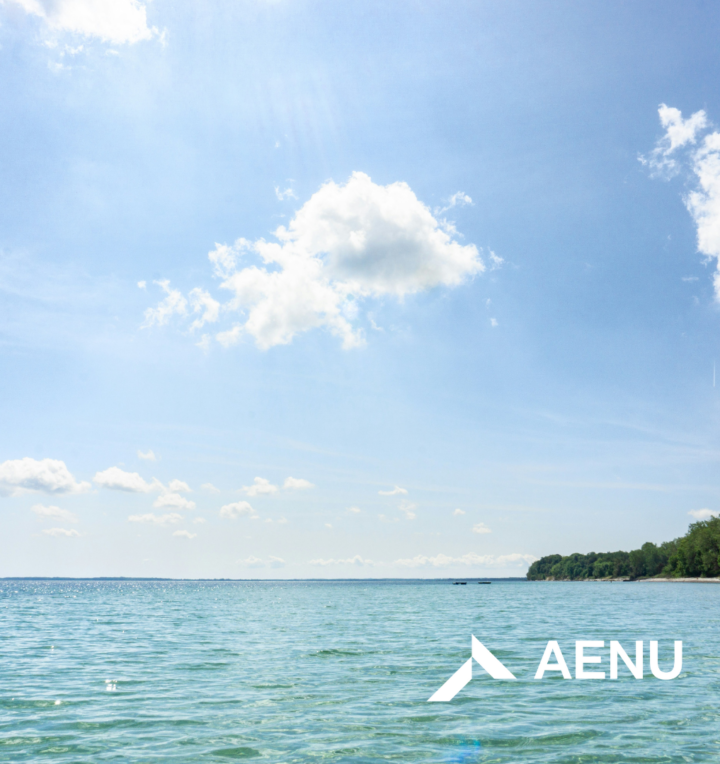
<point x="358" y="561"/>
<point x="54" y="513"/>
<point x="297" y="483"/>
<point x="147" y="455"/>
<point x="467" y="560"/>
<point x="60" y="532"/>
<point x="397" y="491"/>
<point x="481" y="528"/>
<point x="152" y="519"/>
<point x="173" y="501"/>
<point x="185" y="534"/>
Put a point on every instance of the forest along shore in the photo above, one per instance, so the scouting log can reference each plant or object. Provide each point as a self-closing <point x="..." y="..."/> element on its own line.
<point x="690" y="558"/>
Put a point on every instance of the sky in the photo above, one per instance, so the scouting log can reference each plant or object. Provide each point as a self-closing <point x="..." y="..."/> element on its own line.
<point x="311" y="289"/>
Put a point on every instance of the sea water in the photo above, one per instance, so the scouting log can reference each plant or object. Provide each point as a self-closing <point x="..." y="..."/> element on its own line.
<point x="341" y="672"/>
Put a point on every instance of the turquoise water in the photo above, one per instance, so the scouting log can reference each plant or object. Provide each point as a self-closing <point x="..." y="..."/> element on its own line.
<point x="341" y="672"/>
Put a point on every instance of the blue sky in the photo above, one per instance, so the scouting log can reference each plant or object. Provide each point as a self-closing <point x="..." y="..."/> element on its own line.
<point x="484" y="333"/>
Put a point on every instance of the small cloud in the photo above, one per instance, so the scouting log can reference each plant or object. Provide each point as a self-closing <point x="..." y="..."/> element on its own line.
<point x="148" y="456"/>
<point x="493" y="322"/>
<point x="152" y="519"/>
<point x="495" y="261"/>
<point x="395" y="491"/>
<point x="481" y="528"/>
<point x="118" y="480"/>
<point x="297" y="483"/>
<point x="254" y="562"/>
<point x="237" y="509"/>
<point x="704" y="514"/>
<point x="210" y="488"/>
<point x="354" y="510"/>
<point x="174" y="501"/>
<point x="173" y="304"/>
<point x="142" y="284"/>
<point x="288" y="193"/>
<point x="357" y="560"/>
<point x="408" y="509"/>
<point x="54" y="513"/>
<point x="204" y="342"/>
<point x="282" y="521"/>
<point x="260" y="487"/>
<point x="458" y="199"/>
<point x="277" y="562"/>
<point x="327" y="525"/>
<point x="689" y="278"/>
<point x="60" y="532"/>
<point x="185" y="534"/>
<point x="458" y="512"/>
<point x="199" y="520"/>
<point x="179" y="486"/>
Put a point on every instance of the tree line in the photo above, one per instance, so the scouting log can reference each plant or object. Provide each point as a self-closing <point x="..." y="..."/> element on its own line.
<point x="694" y="555"/>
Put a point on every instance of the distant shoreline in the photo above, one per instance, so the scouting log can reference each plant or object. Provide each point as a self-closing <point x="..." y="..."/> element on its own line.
<point x="630" y="580"/>
<point x="258" y="580"/>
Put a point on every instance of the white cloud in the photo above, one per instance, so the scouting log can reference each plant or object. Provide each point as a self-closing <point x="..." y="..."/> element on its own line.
<point x="199" y="520"/>
<point x="260" y="487"/>
<point x="357" y="561"/>
<point x="185" y="534"/>
<point x="327" y="525"/>
<point x="113" y="21"/>
<point x="481" y="528"/>
<point x="60" y="532"/>
<point x="142" y="284"/>
<point x="173" y="304"/>
<point x="210" y="488"/>
<point x="394" y="492"/>
<point x="354" y="510"/>
<point x="148" y="456"/>
<point x="119" y="480"/>
<point x="179" y="486"/>
<point x="202" y="302"/>
<point x="704" y="514"/>
<point x="458" y="512"/>
<point x="347" y="243"/>
<point x="408" y="509"/>
<point x="493" y="322"/>
<point x="282" y="521"/>
<point x="703" y="200"/>
<point x="168" y="519"/>
<point x="679" y="132"/>
<point x="237" y="509"/>
<point x="18" y="476"/>
<point x="298" y="483"/>
<point x="471" y="559"/>
<point x="174" y="501"/>
<point x="254" y="562"/>
<point x="689" y="278"/>
<point x="55" y="513"/>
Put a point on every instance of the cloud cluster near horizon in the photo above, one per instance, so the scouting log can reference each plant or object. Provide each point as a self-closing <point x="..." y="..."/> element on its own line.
<point x="346" y="244"/>
<point x="114" y="21"/>
<point x="18" y="476"/>
<point x="684" y="146"/>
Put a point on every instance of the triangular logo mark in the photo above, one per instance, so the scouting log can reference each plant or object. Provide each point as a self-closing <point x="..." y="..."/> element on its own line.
<point x="463" y="675"/>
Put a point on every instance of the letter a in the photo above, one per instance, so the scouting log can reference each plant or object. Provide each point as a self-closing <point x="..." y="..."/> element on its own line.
<point x="553" y="648"/>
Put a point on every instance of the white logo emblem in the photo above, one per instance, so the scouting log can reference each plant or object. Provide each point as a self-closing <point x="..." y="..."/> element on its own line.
<point x="463" y="675"/>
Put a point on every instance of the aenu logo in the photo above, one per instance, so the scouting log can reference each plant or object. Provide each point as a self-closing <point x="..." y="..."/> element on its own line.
<point x="497" y="670"/>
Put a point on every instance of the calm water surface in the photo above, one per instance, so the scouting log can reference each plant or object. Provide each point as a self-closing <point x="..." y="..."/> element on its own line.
<point x="341" y="672"/>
